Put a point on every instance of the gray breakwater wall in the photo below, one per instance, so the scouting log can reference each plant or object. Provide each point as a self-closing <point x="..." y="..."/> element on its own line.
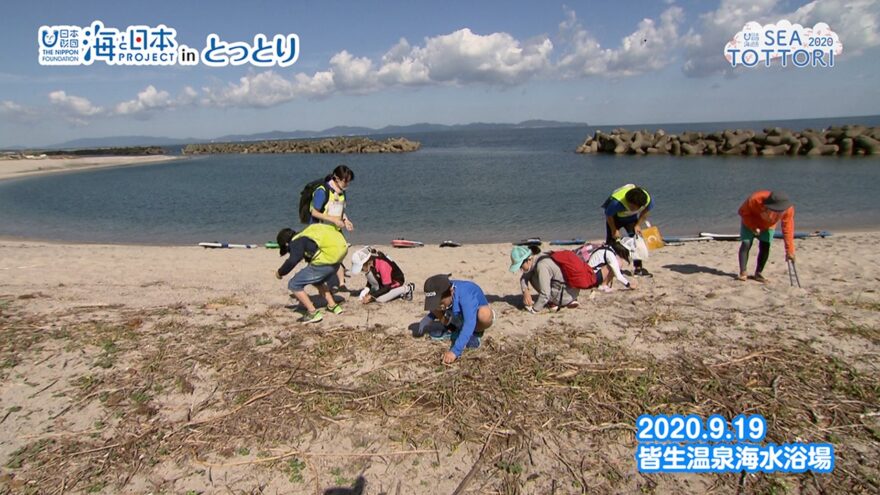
<point x="847" y="140"/>
<point x="327" y="145"/>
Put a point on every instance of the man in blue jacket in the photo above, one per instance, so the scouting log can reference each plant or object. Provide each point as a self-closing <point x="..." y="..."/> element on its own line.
<point x="462" y="307"/>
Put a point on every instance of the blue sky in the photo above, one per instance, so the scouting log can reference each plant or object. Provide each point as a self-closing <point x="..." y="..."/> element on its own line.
<point x="371" y="63"/>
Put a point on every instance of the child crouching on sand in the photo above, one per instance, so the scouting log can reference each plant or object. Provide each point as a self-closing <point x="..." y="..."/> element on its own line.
<point x="323" y="247"/>
<point x="608" y="255"/>
<point x="558" y="277"/>
<point x="385" y="280"/>
<point x="462" y="307"/>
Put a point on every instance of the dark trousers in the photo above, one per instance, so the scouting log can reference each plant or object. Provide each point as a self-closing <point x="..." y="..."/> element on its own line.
<point x="763" y="255"/>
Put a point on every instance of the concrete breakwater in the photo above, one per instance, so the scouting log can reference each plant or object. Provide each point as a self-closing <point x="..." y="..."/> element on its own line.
<point x="847" y="140"/>
<point x="329" y="145"/>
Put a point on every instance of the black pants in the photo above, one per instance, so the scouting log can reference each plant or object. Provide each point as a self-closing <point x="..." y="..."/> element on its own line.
<point x="629" y="224"/>
<point x="763" y="254"/>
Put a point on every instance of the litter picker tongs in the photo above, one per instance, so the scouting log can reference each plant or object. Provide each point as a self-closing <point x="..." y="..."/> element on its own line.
<point x="793" y="275"/>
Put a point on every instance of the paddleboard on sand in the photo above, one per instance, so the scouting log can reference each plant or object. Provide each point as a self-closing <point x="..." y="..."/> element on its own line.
<point x="776" y="235"/>
<point x="567" y="242"/>
<point x="450" y="244"/>
<point x="720" y="237"/>
<point x="685" y="239"/>
<point x="801" y="235"/>
<point x="531" y="241"/>
<point x="226" y="245"/>
<point x="404" y="243"/>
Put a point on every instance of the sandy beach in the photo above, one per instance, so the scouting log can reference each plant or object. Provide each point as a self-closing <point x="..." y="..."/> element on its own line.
<point x="131" y="369"/>
<point x="144" y="369"/>
<point x="13" y="169"/>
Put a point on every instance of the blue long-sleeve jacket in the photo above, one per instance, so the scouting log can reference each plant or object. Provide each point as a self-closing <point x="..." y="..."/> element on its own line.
<point x="467" y="298"/>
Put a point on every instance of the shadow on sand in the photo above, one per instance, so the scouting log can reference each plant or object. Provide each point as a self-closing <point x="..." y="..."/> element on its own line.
<point x="690" y="269"/>
<point x="512" y="300"/>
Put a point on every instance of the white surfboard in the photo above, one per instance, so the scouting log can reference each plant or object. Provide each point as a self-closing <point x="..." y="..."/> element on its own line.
<point x="226" y="245"/>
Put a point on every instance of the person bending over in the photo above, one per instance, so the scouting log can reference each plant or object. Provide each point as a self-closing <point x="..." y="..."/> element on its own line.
<point x="462" y="308"/>
<point x="760" y="213"/>
<point x="323" y="247"/>
<point x="627" y="208"/>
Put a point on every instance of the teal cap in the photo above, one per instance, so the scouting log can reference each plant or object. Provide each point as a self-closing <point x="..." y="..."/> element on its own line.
<point x="517" y="256"/>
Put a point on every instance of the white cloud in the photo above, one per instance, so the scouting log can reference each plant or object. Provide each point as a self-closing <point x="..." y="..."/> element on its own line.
<point x="188" y="96"/>
<point x="147" y="100"/>
<point x="353" y="74"/>
<point x="80" y="110"/>
<point x="461" y="57"/>
<point x="74" y="108"/>
<point x="464" y="57"/>
<point x="649" y="48"/>
<point x="400" y="67"/>
<point x="261" y="90"/>
<point x="856" y="22"/>
<point x="15" y="112"/>
<point x="319" y="85"/>
<point x="703" y="48"/>
<point x="150" y="100"/>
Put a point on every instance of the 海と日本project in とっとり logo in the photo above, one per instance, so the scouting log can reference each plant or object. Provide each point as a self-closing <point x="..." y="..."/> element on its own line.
<point x="148" y="45"/>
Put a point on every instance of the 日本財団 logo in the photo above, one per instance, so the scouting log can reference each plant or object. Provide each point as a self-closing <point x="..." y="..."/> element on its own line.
<point x="157" y="45"/>
<point x="783" y="44"/>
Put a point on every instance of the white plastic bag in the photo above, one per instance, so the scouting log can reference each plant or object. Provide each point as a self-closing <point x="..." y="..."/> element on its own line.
<point x="641" y="252"/>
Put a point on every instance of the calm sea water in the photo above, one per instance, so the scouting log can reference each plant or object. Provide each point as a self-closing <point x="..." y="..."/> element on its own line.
<point x="483" y="186"/>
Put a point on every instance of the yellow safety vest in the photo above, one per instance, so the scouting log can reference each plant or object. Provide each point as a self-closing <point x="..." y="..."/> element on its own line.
<point x="335" y="201"/>
<point x="332" y="247"/>
<point x="620" y="195"/>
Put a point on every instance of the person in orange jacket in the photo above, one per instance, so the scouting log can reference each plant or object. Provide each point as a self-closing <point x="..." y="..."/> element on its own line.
<point x="760" y="213"/>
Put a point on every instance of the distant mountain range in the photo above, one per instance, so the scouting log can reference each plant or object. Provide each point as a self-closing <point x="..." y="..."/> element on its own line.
<point x="333" y="131"/>
<point x="121" y="141"/>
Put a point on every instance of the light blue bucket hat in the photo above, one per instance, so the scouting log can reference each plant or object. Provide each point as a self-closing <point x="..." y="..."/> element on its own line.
<point x="517" y="256"/>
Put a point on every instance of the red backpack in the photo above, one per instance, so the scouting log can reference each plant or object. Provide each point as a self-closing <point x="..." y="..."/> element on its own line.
<point x="577" y="274"/>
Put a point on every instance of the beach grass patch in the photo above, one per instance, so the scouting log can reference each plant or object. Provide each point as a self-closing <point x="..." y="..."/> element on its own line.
<point x="869" y="333"/>
<point x="547" y="396"/>
<point x="27" y="453"/>
<point x="223" y="301"/>
<point x="293" y="468"/>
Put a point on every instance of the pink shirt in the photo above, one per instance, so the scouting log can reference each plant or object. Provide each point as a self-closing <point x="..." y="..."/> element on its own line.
<point x="384" y="269"/>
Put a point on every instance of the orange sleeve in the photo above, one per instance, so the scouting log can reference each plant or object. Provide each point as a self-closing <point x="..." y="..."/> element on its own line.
<point x="788" y="230"/>
<point x="744" y="209"/>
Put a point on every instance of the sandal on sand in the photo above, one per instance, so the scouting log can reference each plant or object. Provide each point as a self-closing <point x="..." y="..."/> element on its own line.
<point x="742" y="277"/>
<point x="760" y="278"/>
